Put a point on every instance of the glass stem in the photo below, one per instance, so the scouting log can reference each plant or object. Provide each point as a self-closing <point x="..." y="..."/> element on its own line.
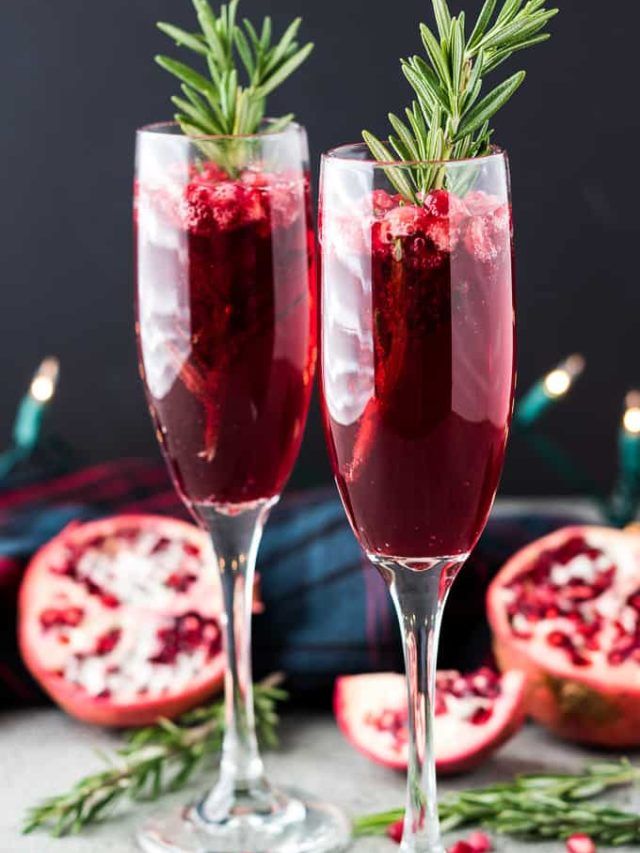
<point x="235" y="541"/>
<point x="419" y="595"/>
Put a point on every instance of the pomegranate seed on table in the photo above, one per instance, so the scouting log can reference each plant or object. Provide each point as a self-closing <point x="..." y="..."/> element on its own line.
<point x="480" y="842"/>
<point x="395" y="830"/>
<point x="477" y="842"/>
<point x="580" y="844"/>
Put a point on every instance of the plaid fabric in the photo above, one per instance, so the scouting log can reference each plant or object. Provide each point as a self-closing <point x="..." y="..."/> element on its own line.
<point x="327" y="612"/>
<point x="31" y="514"/>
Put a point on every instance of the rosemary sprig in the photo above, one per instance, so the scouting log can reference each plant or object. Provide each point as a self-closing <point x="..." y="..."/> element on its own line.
<point x="536" y="806"/>
<point x="220" y="104"/>
<point x="448" y="120"/>
<point x="154" y="760"/>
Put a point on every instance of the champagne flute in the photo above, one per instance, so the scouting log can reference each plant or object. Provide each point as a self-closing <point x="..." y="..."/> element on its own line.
<point x="417" y="375"/>
<point x="227" y="341"/>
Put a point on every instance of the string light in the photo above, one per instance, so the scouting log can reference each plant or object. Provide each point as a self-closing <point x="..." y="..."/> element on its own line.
<point x="631" y="417"/>
<point x="28" y="422"/>
<point x="555" y="385"/>
<point x="27" y="426"/>
<point x="626" y="494"/>
<point x="560" y="380"/>
<point x="45" y="380"/>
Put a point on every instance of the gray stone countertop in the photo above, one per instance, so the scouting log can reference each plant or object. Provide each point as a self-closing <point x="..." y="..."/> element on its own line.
<point x="43" y="752"/>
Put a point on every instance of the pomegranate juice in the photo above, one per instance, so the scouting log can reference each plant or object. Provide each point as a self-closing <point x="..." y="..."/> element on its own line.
<point x="418" y="366"/>
<point x="226" y="327"/>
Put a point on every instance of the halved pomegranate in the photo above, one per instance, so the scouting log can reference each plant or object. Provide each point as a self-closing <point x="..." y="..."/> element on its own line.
<point x="474" y="715"/>
<point x="119" y="619"/>
<point x="566" y="611"/>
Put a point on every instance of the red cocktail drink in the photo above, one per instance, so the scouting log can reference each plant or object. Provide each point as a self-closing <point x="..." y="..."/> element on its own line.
<point x="226" y="304"/>
<point x="418" y="365"/>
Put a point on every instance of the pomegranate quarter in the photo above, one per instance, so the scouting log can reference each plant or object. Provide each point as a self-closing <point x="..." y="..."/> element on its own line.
<point x="566" y="611"/>
<point x="119" y="619"/>
<point x="474" y="715"/>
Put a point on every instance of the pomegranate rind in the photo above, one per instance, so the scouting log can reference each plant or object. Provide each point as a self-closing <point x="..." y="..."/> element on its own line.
<point x="599" y="706"/>
<point x="74" y="699"/>
<point x="459" y="747"/>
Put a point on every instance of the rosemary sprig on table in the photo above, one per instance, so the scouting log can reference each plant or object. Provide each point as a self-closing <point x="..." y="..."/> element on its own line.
<point x="540" y="806"/>
<point x="448" y="120"/>
<point x="154" y="760"/>
<point x="220" y="104"/>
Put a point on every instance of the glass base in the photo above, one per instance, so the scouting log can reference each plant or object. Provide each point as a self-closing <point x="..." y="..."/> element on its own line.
<point x="296" y="823"/>
<point x="415" y="847"/>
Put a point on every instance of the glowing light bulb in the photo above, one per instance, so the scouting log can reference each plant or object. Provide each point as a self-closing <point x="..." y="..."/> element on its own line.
<point x="631" y="418"/>
<point x="43" y="385"/>
<point x="560" y="380"/>
<point x="557" y="383"/>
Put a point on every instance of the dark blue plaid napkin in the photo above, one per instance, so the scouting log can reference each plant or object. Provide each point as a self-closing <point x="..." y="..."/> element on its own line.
<point x="326" y="611"/>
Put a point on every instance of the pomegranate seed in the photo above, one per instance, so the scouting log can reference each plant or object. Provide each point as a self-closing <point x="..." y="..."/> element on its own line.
<point x="109" y="600"/>
<point x="480" y="842"/>
<point x="571" y="548"/>
<point x="395" y="830"/>
<point x="161" y="545"/>
<point x="481" y="715"/>
<point x="55" y="617"/>
<point x="588" y="629"/>
<point x="186" y="634"/>
<point x="579" y="592"/>
<point x="460" y="847"/>
<point x="382" y="202"/>
<point x="437" y="203"/>
<point x="559" y="640"/>
<point x="107" y="642"/>
<point x="634" y="601"/>
<point x="578" y="659"/>
<point x="180" y="581"/>
<point x="626" y="644"/>
<point x="580" y="844"/>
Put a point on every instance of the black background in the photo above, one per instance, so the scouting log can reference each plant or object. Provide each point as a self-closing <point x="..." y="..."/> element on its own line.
<point x="78" y="78"/>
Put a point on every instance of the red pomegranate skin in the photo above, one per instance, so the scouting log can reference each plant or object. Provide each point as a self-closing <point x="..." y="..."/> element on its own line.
<point x="226" y="327"/>
<point x="419" y="468"/>
<point x="579" y="683"/>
